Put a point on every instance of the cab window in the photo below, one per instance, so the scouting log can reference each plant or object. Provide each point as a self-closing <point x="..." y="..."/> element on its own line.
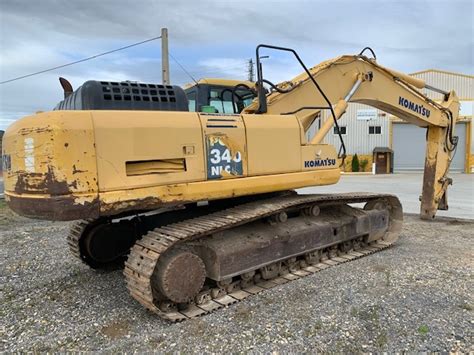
<point x="248" y="100"/>
<point x="191" y="101"/>
<point x="221" y="99"/>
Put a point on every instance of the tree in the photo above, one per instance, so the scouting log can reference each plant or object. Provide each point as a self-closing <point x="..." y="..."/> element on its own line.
<point x="355" y="163"/>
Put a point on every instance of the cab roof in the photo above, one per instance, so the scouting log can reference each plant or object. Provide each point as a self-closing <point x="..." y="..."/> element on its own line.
<point x="220" y="82"/>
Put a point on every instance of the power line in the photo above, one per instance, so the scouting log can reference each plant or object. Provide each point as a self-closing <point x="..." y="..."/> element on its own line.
<point x="81" y="60"/>
<point x="215" y="70"/>
<point x="172" y="57"/>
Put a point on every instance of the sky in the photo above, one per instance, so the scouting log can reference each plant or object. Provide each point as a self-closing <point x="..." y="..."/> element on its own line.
<point x="216" y="39"/>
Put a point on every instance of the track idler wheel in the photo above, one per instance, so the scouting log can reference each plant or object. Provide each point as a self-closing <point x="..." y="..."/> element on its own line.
<point x="376" y="205"/>
<point x="104" y="245"/>
<point x="179" y="276"/>
<point x="392" y="204"/>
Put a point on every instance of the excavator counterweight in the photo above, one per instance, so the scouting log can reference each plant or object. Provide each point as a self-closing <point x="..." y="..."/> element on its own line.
<point x="195" y="188"/>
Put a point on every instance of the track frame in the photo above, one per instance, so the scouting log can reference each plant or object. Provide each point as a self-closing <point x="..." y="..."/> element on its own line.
<point x="146" y="252"/>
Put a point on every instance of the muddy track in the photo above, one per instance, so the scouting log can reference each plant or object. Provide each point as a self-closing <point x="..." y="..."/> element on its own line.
<point x="147" y="251"/>
<point x="74" y="237"/>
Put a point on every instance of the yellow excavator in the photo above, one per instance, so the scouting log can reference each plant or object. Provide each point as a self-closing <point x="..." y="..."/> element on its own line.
<point x="202" y="204"/>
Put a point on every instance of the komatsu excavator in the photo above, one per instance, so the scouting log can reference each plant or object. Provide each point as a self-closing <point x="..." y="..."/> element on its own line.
<point x="202" y="204"/>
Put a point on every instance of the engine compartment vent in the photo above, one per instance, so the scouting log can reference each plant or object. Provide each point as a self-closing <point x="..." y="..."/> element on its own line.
<point x="161" y="166"/>
<point x="110" y="95"/>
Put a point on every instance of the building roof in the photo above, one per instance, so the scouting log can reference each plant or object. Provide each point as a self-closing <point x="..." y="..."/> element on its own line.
<point x="443" y="72"/>
<point x="382" y="150"/>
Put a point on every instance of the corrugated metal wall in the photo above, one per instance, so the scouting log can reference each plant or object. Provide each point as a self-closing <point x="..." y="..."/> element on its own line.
<point x="357" y="138"/>
<point x="462" y="84"/>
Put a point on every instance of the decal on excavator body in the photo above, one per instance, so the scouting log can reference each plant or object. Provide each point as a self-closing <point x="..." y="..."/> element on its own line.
<point x="414" y="107"/>
<point x="222" y="160"/>
<point x="319" y="162"/>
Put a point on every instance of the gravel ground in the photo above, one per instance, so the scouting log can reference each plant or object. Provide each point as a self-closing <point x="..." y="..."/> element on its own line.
<point x="417" y="295"/>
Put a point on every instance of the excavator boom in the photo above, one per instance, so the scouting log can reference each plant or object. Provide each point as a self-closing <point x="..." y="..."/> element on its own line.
<point x="357" y="78"/>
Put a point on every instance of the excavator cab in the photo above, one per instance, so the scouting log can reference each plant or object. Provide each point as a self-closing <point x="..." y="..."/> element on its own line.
<point x="220" y="95"/>
<point x="207" y="95"/>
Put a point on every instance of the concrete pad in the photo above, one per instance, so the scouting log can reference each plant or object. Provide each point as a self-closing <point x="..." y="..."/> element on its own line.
<point x="407" y="186"/>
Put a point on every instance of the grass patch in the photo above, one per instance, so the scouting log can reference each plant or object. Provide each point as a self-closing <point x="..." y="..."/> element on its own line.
<point x="267" y="299"/>
<point x="381" y="339"/>
<point x="198" y="327"/>
<point x="314" y="329"/>
<point x="383" y="269"/>
<point x="466" y="306"/>
<point x="7" y="216"/>
<point x="243" y="312"/>
<point x="423" y="329"/>
<point x="387" y="278"/>
<point x="156" y="341"/>
<point x="379" y="268"/>
<point x="371" y="314"/>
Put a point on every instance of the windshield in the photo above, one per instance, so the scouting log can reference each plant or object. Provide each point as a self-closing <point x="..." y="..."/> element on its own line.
<point x="221" y="99"/>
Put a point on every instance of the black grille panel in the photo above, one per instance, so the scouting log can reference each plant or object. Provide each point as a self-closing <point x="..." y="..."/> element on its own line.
<point x="106" y="95"/>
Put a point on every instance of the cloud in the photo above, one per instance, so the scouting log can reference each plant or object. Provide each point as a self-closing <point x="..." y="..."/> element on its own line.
<point x="215" y="38"/>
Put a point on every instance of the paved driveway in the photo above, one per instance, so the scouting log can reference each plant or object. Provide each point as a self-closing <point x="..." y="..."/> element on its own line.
<point x="408" y="189"/>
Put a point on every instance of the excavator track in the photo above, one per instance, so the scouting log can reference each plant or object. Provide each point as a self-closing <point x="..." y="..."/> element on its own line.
<point x="81" y="230"/>
<point x="100" y="244"/>
<point x="148" y="251"/>
<point x="76" y="233"/>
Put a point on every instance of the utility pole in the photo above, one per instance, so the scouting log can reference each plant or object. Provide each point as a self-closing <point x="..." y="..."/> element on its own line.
<point x="165" y="62"/>
<point x="250" y="71"/>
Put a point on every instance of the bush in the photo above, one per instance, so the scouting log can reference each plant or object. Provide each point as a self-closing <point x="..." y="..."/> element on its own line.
<point x="355" y="163"/>
<point x="363" y="164"/>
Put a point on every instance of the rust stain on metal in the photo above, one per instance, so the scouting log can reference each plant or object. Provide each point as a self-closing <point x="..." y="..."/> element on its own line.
<point x="148" y="203"/>
<point x="42" y="182"/>
<point x="75" y="170"/>
<point x="27" y="131"/>
<point x="428" y="206"/>
<point x="59" y="208"/>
